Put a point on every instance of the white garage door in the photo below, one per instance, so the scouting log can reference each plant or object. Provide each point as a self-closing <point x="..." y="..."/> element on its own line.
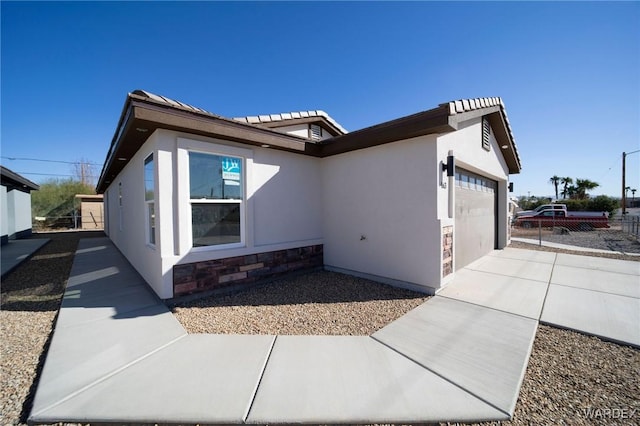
<point x="475" y="220"/>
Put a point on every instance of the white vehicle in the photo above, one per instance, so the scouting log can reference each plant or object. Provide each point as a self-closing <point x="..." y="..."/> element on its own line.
<point x="562" y="207"/>
<point x="541" y="208"/>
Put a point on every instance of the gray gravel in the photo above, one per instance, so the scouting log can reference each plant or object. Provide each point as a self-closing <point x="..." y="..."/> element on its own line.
<point x="321" y="303"/>
<point x="30" y="298"/>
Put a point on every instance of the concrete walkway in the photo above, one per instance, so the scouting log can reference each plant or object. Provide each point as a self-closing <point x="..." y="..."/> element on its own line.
<point x="118" y="355"/>
<point x="15" y="252"/>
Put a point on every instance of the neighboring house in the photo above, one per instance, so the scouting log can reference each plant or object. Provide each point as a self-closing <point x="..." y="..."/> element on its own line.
<point x="91" y="211"/>
<point x="15" y="205"/>
<point x="196" y="201"/>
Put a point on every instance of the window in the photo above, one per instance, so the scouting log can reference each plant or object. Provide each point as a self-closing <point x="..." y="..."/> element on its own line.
<point x="120" y="206"/>
<point x="467" y="179"/>
<point x="216" y="195"/>
<point x="149" y="199"/>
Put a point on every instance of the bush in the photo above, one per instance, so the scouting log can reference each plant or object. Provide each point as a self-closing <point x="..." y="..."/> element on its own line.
<point x="601" y="203"/>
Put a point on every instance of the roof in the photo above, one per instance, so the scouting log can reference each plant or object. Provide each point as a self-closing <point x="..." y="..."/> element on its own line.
<point x="144" y="112"/>
<point x="288" y="118"/>
<point x="12" y="180"/>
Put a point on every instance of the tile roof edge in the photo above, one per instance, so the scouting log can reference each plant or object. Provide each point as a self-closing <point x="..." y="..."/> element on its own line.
<point x="292" y="115"/>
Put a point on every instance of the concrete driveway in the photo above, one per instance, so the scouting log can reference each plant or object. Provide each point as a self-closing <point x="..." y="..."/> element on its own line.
<point x="118" y="355"/>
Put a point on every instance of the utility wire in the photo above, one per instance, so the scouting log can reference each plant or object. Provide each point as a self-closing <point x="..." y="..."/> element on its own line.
<point x="51" y="174"/>
<point x="49" y="161"/>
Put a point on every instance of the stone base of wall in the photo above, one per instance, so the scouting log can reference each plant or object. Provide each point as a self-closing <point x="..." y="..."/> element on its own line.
<point x="236" y="271"/>
<point x="447" y="250"/>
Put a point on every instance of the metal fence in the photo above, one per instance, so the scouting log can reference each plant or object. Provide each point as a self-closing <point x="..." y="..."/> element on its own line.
<point x="631" y="225"/>
<point x="77" y="220"/>
<point x="592" y="233"/>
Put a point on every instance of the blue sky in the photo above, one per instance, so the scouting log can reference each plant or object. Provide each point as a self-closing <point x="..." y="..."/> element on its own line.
<point x="569" y="73"/>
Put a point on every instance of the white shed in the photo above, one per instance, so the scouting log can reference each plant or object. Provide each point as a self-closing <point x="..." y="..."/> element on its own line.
<point x="15" y="205"/>
<point x="196" y="201"/>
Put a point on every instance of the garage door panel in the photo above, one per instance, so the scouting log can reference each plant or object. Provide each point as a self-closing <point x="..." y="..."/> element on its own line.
<point x="475" y="219"/>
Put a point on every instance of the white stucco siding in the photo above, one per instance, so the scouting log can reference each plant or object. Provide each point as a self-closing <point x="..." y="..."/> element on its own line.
<point x="128" y="223"/>
<point x="301" y="130"/>
<point x="466" y="144"/>
<point x="283" y="206"/>
<point x="380" y="212"/>
<point x="16" y="212"/>
<point x="4" y="212"/>
<point x="287" y="200"/>
<point x="22" y="210"/>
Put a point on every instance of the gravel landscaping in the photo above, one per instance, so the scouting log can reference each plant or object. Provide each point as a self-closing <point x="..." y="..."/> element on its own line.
<point x="571" y="378"/>
<point x="321" y="303"/>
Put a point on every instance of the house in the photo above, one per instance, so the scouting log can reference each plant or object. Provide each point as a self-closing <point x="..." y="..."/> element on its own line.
<point x="196" y="201"/>
<point x="91" y="211"/>
<point x="15" y="205"/>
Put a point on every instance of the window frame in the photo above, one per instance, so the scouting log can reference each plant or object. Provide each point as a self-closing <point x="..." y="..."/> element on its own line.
<point x="186" y="146"/>
<point x="120" y="208"/>
<point x="149" y="203"/>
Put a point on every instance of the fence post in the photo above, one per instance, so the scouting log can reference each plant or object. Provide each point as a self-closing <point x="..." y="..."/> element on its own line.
<point x="540" y="233"/>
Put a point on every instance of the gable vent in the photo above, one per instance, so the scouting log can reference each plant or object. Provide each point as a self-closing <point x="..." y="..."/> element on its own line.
<point x="315" y="132"/>
<point x="486" y="131"/>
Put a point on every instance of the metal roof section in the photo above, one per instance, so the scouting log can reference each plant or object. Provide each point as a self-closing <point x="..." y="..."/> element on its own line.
<point x="172" y="102"/>
<point x="15" y="181"/>
<point x="468" y="105"/>
<point x="295" y="115"/>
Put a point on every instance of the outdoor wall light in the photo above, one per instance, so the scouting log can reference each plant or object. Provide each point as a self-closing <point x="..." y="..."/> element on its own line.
<point x="450" y="166"/>
<point x="142" y="130"/>
<point x="510" y="186"/>
<point x="504" y="146"/>
<point x="265" y="145"/>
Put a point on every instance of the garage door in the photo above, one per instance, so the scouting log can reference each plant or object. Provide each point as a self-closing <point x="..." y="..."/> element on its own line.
<point x="475" y="220"/>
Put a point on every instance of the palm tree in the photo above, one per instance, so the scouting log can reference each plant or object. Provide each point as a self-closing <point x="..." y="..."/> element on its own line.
<point x="555" y="181"/>
<point x="565" y="181"/>
<point x="633" y="194"/>
<point x="584" y="185"/>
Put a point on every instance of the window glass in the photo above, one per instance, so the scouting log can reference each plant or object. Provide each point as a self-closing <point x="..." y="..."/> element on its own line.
<point x="149" y="181"/>
<point x="151" y="220"/>
<point x="215" y="177"/>
<point x="215" y="223"/>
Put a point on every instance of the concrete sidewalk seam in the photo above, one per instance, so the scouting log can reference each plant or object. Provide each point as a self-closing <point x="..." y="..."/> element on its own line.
<point x="443" y="377"/>
<point x="590" y="334"/>
<point x="259" y="382"/>
<point x="511" y="276"/>
<point x="105" y="377"/>
<point x="489" y="307"/>
<point x="546" y="294"/>
<point x="595" y="291"/>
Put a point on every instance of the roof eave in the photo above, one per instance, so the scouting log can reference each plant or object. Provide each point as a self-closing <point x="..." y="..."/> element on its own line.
<point x="502" y="132"/>
<point x="433" y="121"/>
<point x="19" y="181"/>
<point x="141" y="117"/>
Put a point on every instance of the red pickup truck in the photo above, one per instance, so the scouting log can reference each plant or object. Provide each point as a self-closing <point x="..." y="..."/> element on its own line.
<point x="572" y="220"/>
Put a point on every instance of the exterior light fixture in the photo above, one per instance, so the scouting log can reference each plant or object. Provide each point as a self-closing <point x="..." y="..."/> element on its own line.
<point x="504" y="146"/>
<point x="450" y="166"/>
<point x="122" y="159"/>
<point x="142" y="130"/>
<point x="264" y="145"/>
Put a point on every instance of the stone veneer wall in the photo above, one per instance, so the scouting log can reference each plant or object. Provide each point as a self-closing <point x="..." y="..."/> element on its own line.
<point x="213" y="274"/>
<point x="447" y="250"/>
